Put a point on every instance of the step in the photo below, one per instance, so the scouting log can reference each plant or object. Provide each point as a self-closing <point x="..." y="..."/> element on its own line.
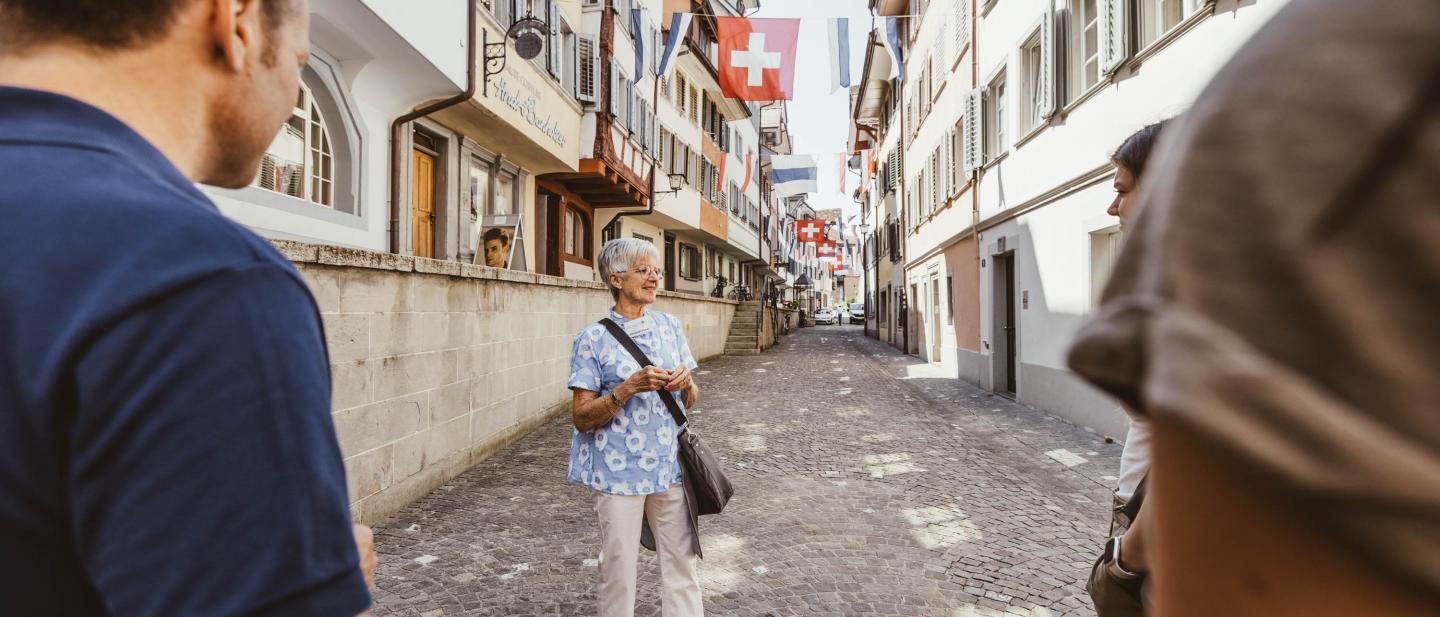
<point x="745" y="352"/>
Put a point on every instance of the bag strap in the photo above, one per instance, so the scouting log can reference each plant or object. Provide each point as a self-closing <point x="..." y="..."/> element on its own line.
<point x="1137" y="500"/>
<point x="629" y="344"/>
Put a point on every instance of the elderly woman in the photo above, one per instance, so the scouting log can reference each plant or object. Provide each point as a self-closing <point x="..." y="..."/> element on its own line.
<point x="624" y="446"/>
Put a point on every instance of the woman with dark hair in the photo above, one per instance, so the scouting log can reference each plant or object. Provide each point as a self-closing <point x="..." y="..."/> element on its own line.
<point x="1117" y="578"/>
<point x="1129" y="160"/>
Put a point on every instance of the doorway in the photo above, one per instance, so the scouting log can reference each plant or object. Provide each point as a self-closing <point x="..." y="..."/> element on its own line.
<point x="548" y="213"/>
<point x="934" y="317"/>
<point x="669" y="262"/>
<point x="1006" y="326"/>
<point x="422" y="203"/>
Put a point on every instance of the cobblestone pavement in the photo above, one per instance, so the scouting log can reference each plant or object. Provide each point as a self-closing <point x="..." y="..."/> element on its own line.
<point x="867" y="483"/>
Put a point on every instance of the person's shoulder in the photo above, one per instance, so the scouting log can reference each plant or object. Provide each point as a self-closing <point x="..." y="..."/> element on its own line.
<point x="591" y="332"/>
<point x="118" y="229"/>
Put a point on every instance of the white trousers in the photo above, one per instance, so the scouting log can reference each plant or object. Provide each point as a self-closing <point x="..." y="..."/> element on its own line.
<point x="620" y="520"/>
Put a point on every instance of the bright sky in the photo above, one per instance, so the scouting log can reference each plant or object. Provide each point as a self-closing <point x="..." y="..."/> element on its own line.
<point x="819" y="118"/>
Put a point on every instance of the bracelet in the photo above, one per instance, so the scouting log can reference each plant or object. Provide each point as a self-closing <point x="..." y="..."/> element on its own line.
<point x="615" y="400"/>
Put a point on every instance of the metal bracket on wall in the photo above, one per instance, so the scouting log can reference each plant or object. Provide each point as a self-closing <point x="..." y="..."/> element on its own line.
<point x="494" y="59"/>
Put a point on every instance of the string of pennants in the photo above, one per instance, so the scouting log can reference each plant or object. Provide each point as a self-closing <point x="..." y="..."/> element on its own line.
<point x="756" y="59"/>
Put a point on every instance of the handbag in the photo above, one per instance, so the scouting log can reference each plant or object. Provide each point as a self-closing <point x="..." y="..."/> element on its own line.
<point x="705" y="484"/>
<point x="1115" y="592"/>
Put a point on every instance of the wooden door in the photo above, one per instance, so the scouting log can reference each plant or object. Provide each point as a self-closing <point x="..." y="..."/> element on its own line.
<point x="422" y="204"/>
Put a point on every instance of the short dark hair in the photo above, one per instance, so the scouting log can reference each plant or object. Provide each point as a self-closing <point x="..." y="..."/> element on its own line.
<point x="494" y="233"/>
<point x="104" y="24"/>
<point x="1135" y="151"/>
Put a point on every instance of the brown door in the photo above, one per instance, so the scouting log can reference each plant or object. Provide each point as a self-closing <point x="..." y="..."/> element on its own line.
<point x="422" y="204"/>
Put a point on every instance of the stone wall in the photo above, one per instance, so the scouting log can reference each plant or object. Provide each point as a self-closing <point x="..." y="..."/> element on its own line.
<point x="436" y="365"/>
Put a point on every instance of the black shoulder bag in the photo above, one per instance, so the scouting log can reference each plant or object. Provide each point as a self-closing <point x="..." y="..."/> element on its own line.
<point x="705" y="483"/>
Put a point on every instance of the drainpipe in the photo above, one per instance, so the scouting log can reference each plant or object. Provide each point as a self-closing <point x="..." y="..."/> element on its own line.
<point x="396" y="163"/>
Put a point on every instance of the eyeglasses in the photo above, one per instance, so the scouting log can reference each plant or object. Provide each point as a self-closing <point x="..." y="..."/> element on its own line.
<point x="648" y="272"/>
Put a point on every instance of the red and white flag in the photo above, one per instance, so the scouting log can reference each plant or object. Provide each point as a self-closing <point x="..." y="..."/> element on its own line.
<point x="757" y="58"/>
<point x="810" y="230"/>
<point x="825" y="250"/>
<point x="749" y="167"/>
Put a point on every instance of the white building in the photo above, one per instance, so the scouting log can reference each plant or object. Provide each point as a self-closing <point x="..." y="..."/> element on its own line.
<point x="325" y="178"/>
<point x="1061" y="83"/>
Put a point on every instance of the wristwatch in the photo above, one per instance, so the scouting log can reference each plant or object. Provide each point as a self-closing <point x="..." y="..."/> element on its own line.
<point x="614" y="400"/>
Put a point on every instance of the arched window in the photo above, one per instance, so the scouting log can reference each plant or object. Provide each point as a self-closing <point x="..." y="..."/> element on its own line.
<point x="577" y="234"/>
<point x="301" y="161"/>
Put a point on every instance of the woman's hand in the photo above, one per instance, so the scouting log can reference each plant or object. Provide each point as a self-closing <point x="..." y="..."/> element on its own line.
<point x="648" y="379"/>
<point x="680" y="379"/>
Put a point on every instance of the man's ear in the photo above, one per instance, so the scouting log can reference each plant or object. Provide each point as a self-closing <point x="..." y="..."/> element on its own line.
<point x="235" y="28"/>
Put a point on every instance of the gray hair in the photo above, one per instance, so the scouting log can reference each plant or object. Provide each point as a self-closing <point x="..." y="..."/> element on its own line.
<point x="618" y="255"/>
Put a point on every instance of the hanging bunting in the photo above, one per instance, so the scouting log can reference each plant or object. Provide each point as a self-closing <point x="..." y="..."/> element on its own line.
<point x="839" y="53"/>
<point x="637" y="21"/>
<point x="794" y="174"/>
<point x="720" y="172"/>
<point x="749" y="169"/>
<point x="891" y="40"/>
<point x="844" y="173"/>
<point x="679" y="26"/>
<point x="869" y="167"/>
<point x="757" y="58"/>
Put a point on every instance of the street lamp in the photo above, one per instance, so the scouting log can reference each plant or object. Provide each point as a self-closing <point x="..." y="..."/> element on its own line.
<point x="675" y="182"/>
<point x="803" y="283"/>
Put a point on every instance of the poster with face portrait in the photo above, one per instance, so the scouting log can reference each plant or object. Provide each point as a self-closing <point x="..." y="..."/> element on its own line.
<point x="501" y="244"/>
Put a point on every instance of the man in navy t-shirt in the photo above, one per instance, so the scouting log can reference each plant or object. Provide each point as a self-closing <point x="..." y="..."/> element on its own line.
<point x="166" y="447"/>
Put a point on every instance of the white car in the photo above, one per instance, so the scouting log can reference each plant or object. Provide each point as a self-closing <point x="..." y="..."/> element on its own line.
<point x="827" y="316"/>
<point x="857" y="312"/>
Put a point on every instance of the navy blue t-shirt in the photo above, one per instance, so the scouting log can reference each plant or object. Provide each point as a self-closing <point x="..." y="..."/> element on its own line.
<point x="166" y="446"/>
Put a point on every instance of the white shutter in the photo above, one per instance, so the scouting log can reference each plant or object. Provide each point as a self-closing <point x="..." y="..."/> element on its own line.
<point x="586" y="63"/>
<point x="960" y="15"/>
<point x="1114" y="47"/>
<point x="893" y="177"/>
<point x="614" y="90"/>
<point x="1048" y="75"/>
<point x="973" y="132"/>
<point x="552" y="39"/>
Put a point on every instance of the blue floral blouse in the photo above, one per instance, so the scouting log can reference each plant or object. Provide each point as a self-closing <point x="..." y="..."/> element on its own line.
<point x="636" y="453"/>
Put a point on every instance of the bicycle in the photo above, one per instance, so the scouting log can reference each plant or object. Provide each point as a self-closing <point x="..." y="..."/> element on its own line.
<point x="740" y="292"/>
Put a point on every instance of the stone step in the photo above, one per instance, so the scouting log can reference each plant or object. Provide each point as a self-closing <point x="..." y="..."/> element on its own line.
<point x="743" y="352"/>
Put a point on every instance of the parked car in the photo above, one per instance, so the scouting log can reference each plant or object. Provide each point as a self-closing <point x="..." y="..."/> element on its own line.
<point x="857" y="312"/>
<point x="827" y="316"/>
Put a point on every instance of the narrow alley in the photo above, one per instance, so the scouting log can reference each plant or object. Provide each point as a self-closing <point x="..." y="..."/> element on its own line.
<point x="866" y="484"/>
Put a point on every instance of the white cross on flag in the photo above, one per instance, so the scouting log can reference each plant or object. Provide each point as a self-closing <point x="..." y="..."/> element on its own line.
<point x="757" y="58"/>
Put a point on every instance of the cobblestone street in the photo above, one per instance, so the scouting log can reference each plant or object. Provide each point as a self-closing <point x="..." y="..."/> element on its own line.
<point x="866" y="484"/>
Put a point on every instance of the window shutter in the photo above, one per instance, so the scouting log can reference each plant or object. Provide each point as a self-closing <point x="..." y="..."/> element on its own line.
<point x="960" y="12"/>
<point x="1048" y="74"/>
<point x="1114" y="48"/>
<point x="973" y="132"/>
<point x="585" y="50"/>
<point x="953" y="144"/>
<point x="614" y="90"/>
<point x="552" y="39"/>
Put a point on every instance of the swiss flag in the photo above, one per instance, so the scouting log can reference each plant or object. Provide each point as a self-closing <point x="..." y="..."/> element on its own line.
<point x="810" y="230"/>
<point x="757" y="58"/>
<point x="826" y="250"/>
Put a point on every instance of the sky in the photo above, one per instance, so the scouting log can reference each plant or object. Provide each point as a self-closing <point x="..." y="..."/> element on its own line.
<point x="819" y="119"/>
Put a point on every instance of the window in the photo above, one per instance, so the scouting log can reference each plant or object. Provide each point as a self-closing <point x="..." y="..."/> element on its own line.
<point x="690" y="264"/>
<point x="480" y="186"/>
<point x="577" y="234"/>
<point x="884" y="308"/>
<point x="1032" y="88"/>
<point x="1104" y="249"/>
<point x="300" y="162"/>
<point x="949" y="300"/>
<point x="1157" y="17"/>
<point x="996" y="141"/>
<point x="1085" y="46"/>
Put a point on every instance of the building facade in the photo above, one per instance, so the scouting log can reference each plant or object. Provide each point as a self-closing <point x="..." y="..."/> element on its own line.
<point x="1002" y="133"/>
